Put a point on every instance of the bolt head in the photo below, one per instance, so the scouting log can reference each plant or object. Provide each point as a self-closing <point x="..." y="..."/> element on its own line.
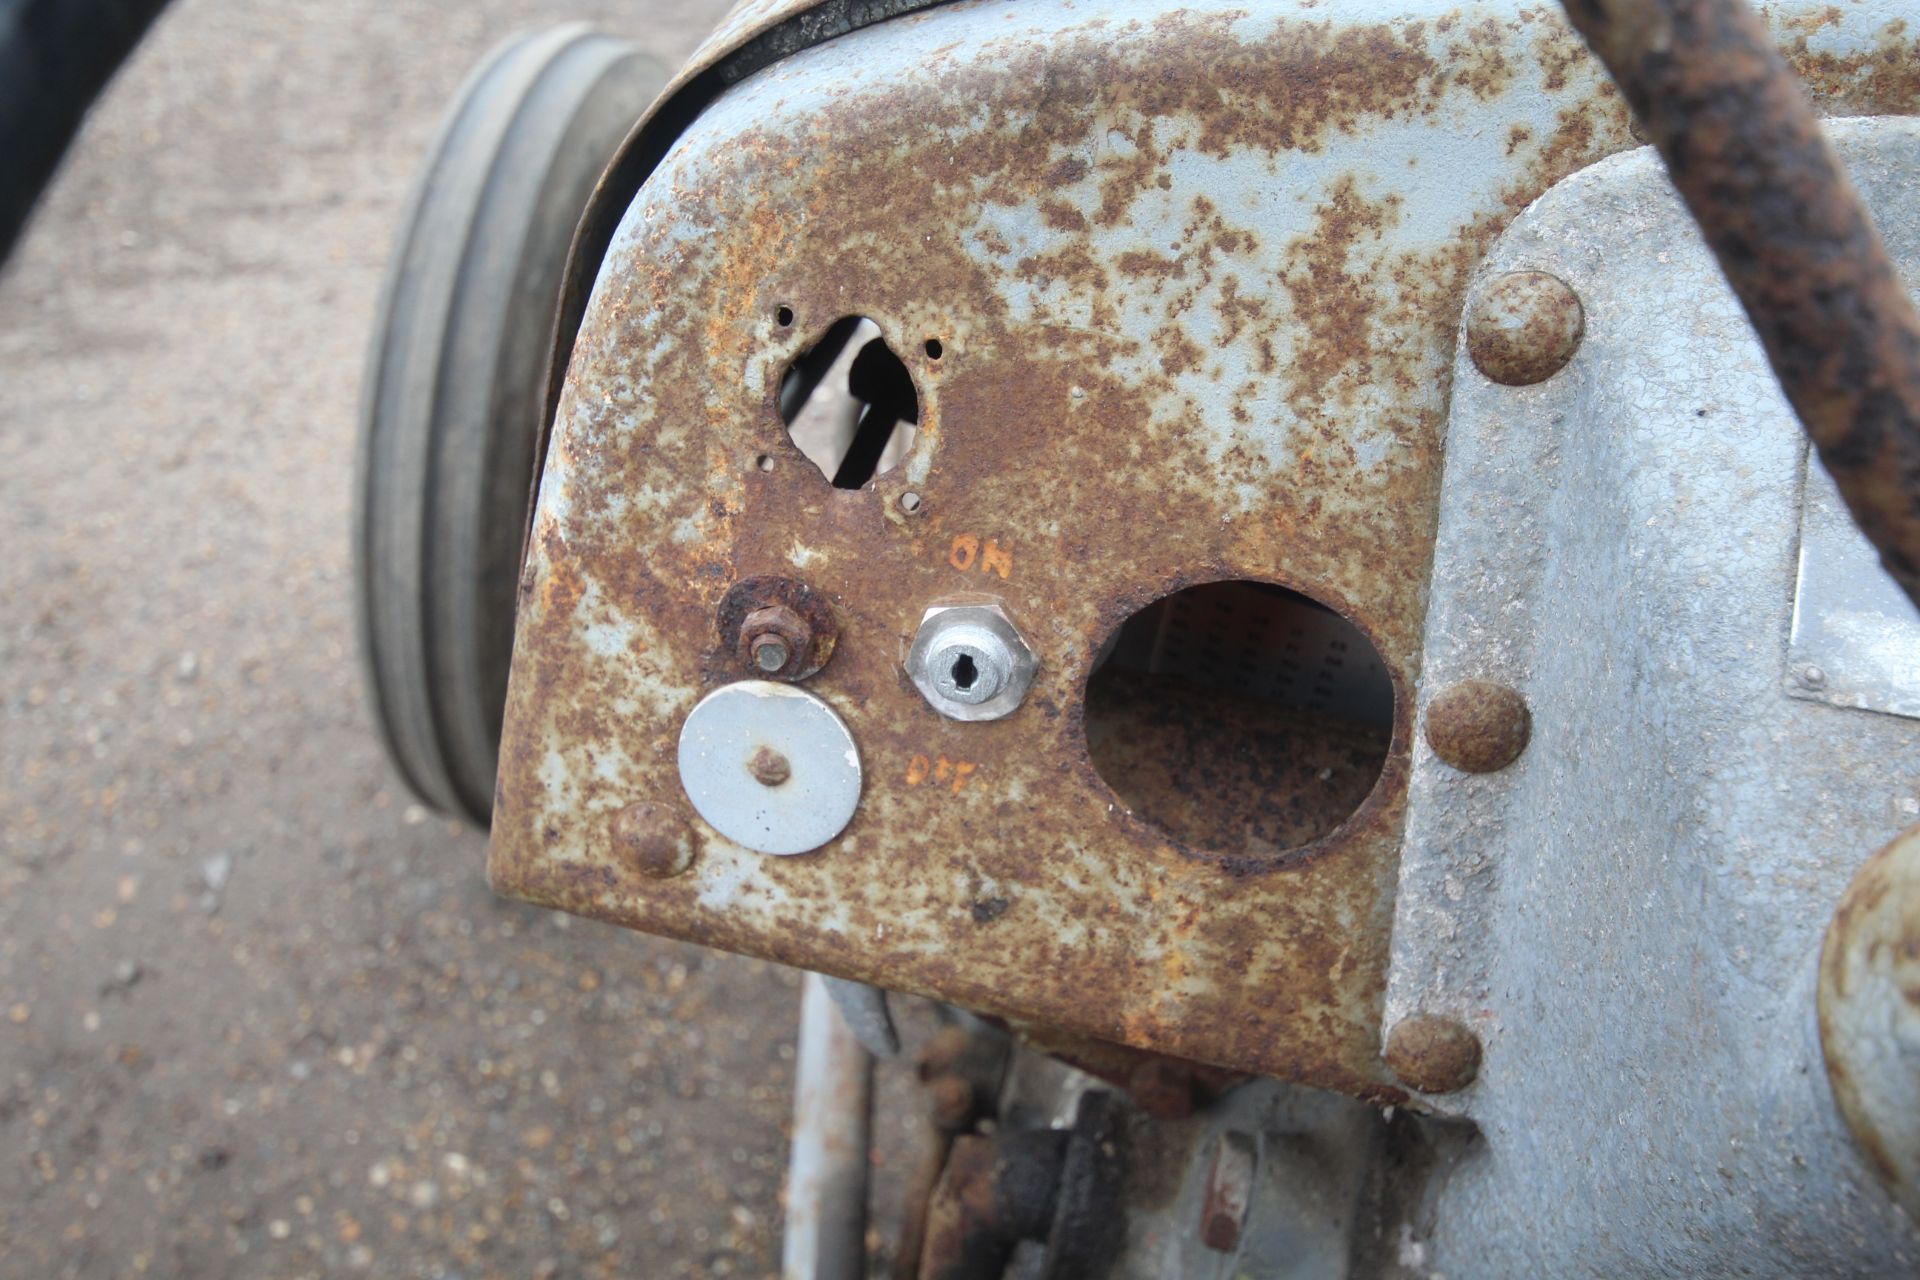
<point x="1523" y="327"/>
<point x="1478" y="726"/>
<point x="654" y="839"/>
<point x="1433" y="1054"/>
<point x="970" y="662"/>
<point x="769" y="768"/>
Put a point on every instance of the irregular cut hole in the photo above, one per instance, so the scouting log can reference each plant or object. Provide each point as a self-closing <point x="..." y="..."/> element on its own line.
<point x="850" y="405"/>
<point x="1241" y="718"/>
<point x="964" y="672"/>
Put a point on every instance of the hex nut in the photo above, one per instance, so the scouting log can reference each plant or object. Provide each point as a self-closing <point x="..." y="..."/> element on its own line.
<point x="1523" y="327"/>
<point x="1433" y="1054"/>
<point x="970" y="662"/>
<point x="1478" y="726"/>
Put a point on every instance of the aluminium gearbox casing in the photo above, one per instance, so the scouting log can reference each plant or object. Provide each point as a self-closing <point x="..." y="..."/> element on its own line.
<point x="1197" y="273"/>
<point x="1631" y="916"/>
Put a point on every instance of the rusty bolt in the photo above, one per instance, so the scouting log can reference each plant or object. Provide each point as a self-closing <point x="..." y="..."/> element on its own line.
<point x="770" y="652"/>
<point x="653" y="839"/>
<point x="1223" y="1209"/>
<point x="1523" y="327"/>
<point x="775" y="641"/>
<point x="777" y="628"/>
<point x="953" y="1102"/>
<point x="1478" y="726"/>
<point x="769" y="768"/>
<point x="1433" y="1054"/>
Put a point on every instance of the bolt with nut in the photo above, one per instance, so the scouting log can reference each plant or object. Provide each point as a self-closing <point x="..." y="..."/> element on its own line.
<point x="775" y="641"/>
<point x="970" y="662"/>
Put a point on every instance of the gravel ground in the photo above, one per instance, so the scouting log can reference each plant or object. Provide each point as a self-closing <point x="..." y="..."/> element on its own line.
<point x="262" y="1016"/>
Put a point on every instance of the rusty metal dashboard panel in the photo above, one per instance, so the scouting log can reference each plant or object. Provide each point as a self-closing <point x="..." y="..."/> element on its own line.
<point x="1178" y="290"/>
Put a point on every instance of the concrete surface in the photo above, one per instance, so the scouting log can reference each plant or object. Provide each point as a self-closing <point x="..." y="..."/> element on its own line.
<point x="260" y="1016"/>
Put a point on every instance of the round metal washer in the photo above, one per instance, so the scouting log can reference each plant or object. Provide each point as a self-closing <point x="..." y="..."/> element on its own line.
<point x="724" y="750"/>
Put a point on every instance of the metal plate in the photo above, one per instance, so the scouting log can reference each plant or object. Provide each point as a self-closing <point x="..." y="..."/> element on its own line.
<point x="770" y="767"/>
<point x="1196" y="272"/>
<point x="1856" y="636"/>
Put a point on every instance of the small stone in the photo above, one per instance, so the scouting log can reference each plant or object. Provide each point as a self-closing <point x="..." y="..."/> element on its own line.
<point x="215" y="871"/>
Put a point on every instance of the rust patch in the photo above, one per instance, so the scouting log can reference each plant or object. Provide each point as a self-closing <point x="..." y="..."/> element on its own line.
<point x="1229" y="1193"/>
<point x="1228" y="777"/>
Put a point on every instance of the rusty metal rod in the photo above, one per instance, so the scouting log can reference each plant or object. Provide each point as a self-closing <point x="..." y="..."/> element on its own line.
<point x="1745" y="150"/>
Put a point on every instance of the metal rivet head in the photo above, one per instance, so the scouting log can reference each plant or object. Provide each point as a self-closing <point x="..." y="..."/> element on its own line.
<point x="1433" y="1054"/>
<point x="970" y="663"/>
<point x="1523" y="327"/>
<point x="769" y="768"/>
<point x="1478" y="726"/>
<point x="653" y="839"/>
<point x="1869" y="1013"/>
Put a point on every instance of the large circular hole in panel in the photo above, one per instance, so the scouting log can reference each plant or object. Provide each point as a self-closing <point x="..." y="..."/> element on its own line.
<point x="1242" y="718"/>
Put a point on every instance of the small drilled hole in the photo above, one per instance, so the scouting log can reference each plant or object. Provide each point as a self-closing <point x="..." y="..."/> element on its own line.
<point x="964" y="672"/>
<point x="783" y="316"/>
<point x="909" y="502"/>
<point x="764" y="462"/>
<point x="934" y="349"/>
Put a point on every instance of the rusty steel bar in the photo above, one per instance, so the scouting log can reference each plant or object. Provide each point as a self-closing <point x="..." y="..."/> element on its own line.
<point x="1745" y="150"/>
<point x="826" y="1233"/>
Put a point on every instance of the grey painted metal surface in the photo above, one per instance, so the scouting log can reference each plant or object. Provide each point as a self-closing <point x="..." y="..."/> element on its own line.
<point x="1630" y="915"/>
<point x="1856" y="637"/>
